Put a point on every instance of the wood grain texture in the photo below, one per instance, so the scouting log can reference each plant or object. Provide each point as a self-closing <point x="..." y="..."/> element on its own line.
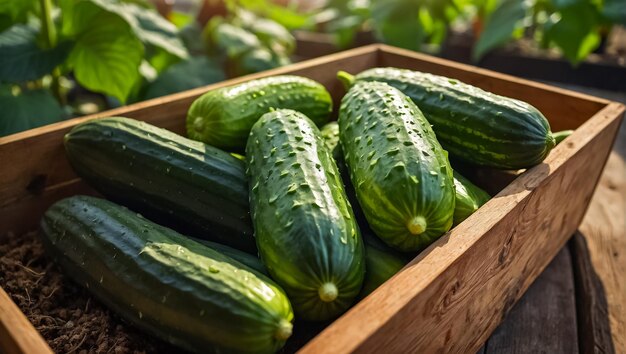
<point x="17" y="334"/>
<point x="454" y="294"/>
<point x="600" y="252"/>
<point x="544" y="320"/>
<point x="594" y="335"/>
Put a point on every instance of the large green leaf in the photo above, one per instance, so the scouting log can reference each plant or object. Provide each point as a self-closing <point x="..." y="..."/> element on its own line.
<point x="21" y="59"/>
<point x="500" y="26"/>
<point x="288" y="16"/>
<point x="28" y="110"/>
<point x="396" y="22"/>
<point x="191" y="73"/>
<point x="576" y="32"/>
<point x="107" y="54"/>
<point x="615" y="11"/>
<point x="147" y="24"/>
<point x="16" y="10"/>
<point x="273" y="35"/>
<point x="232" y="40"/>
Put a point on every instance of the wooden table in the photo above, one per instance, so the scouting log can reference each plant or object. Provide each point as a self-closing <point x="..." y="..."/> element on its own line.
<point x="578" y="304"/>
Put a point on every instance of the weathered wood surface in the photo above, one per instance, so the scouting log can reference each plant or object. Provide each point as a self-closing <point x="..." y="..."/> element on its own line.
<point x="17" y="334"/>
<point x="544" y="320"/>
<point x="601" y="254"/>
<point x="599" y="267"/>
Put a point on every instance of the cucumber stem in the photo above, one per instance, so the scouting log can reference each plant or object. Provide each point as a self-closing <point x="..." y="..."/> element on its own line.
<point x="284" y="330"/>
<point x="346" y="79"/>
<point x="417" y="225"/>
<point x="328" y="292"/>
<point x="560" y="136"/>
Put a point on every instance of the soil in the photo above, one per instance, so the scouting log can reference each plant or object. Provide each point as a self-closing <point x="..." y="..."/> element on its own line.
<point x="66" y="315"/>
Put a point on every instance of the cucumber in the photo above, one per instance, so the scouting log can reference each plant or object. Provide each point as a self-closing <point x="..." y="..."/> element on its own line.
<point x="305" y="230"/>
<point x="164" y="283"/>
<point x="224" y="117"/>
<point x="198" y="189"/>
<point x="400" y="173"/>
<point x="474" y="125"/>
<point x="241" y="257"/>
<point x="330" y="133"/>
<point x="469" y="198"/>
<point x="381" y="263"/>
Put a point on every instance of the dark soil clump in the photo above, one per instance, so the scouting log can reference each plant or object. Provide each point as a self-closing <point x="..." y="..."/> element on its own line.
<point x="66" y="315"/>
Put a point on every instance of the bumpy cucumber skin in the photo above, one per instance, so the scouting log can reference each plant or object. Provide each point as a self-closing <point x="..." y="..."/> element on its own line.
<point x="199" y="189"/>
<point x="305" y="230"/>
<point x="398" y="169"/>
<point x="469" y="198"/>
<point x="224" y="117"/>
<point x="163" y="282"/>
<point x="240" y="256"/>
<point x="474" y="125"/>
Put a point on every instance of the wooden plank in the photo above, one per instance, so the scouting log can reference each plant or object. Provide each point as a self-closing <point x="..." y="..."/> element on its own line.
<point x="594" y="328"/>
<point x="454" y="294"/>
<point x="600" y="254"/>
<point x="544" y="320"/>
<point x="17" y="334"/>
<point x="563" y="113"/>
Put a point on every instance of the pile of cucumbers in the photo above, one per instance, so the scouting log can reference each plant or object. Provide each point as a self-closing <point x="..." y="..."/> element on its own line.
<point x="314" y="217"/>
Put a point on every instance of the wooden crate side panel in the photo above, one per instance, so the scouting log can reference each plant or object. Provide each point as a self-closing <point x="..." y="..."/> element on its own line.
<point x="17" y="334"/>
<point x="482" y="267"/>
<point x="564" y="109"/>
<point x="34" y="161"/>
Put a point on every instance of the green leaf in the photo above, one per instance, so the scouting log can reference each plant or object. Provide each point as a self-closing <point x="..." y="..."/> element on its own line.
<point x="273" y="35"/>
<point x="576" y="32"/>
<point x="288" y="16"/>
<point x="107" y="54"/>
<point x="232" y="40"/>
<point x="147" y="24"/>
<point x="191" y="73"/>
<point x="161" y="60"/>
<point x="16" y="10"/>
<point x="562" y="4"/>
<point x="154" y="30"/>
<point x="28" y="110"/>
<point x="192" y="38"/>
<point x="499" y="27"/>
<point x="615" y="11"/>
<point x="21" y="59"/>
<point x="396" y="22"/>
<point x="259" y="59"/>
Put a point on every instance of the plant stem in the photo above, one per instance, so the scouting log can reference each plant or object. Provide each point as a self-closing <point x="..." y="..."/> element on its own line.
<point x="50" y="36"/>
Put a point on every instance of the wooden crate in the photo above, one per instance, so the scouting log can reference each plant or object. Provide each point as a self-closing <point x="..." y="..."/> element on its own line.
<point x="452" y="295"/>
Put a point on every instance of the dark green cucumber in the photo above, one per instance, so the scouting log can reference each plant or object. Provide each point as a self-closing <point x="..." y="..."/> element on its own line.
<point x="400" y="173"/>
<point x="305" y="230"/>
<point x="330" y="133"/>
<point x="469" y="198"/>
<point x="240" y="256"/>
<point x="199" y="189"/>
<point x="224" y="117"/>
<point x="166" y="284"/>
<point x="381" y="263"/>
<point x="474" y="125"/>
